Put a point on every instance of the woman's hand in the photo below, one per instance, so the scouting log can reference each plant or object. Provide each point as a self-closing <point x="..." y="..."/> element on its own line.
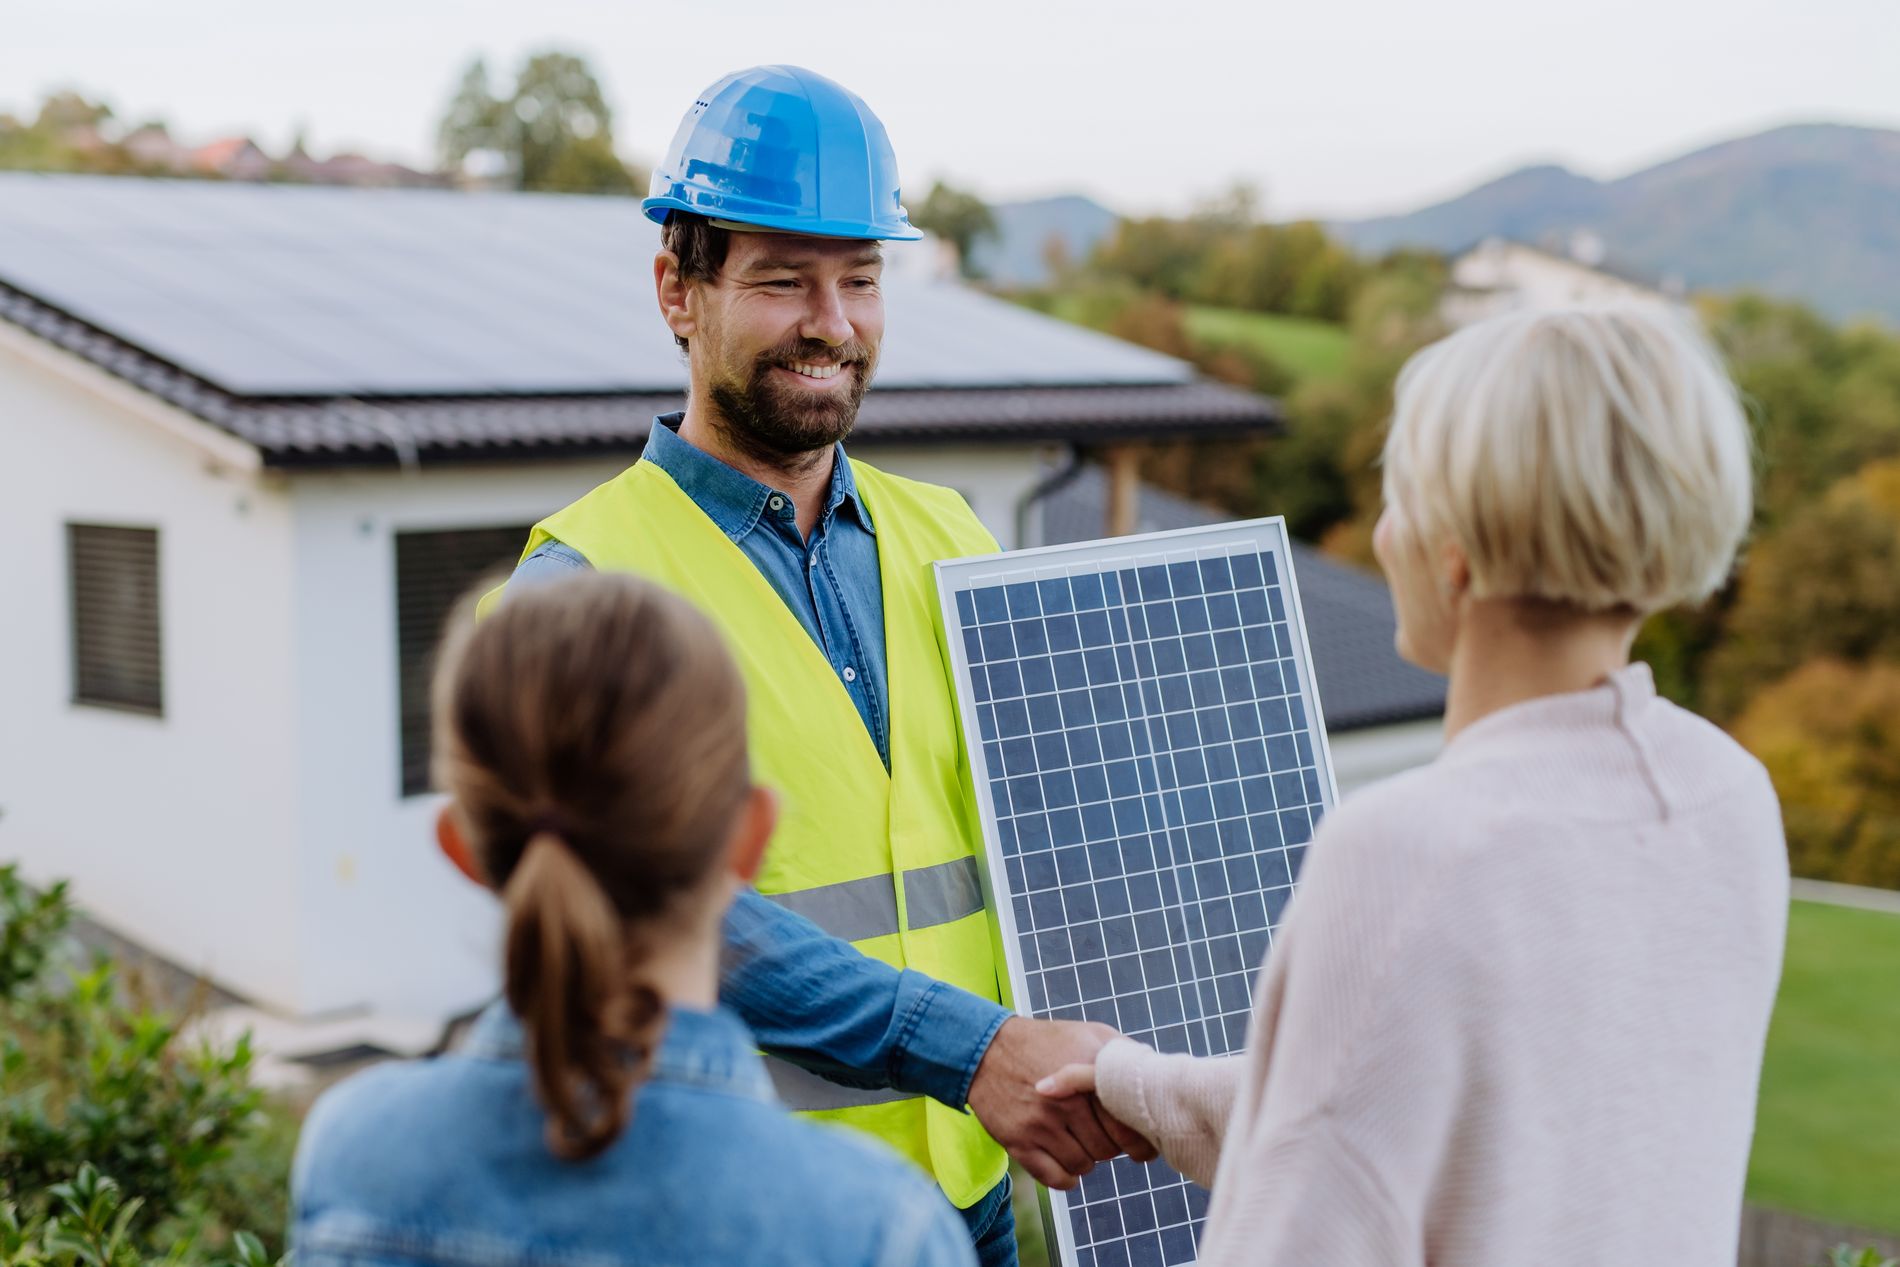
<point x="1079" y="1079"/>
<point x="1069" y="1080"/>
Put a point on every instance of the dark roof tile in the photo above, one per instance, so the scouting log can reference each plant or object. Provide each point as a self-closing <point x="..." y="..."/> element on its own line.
<point x="1349" y="619"/>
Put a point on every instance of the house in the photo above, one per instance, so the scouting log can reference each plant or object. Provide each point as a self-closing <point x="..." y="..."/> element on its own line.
<point x="1500" y="275"/>
<point x="256" y="439"/>
<point x="1382" y="714"/>
<point x="230" y="157"/>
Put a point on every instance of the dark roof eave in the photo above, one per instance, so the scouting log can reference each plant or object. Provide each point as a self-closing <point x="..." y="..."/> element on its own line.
<point x="311" y="433"/>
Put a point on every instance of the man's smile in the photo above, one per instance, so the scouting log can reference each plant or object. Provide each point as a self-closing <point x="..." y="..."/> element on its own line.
<point x="818" y="377"/>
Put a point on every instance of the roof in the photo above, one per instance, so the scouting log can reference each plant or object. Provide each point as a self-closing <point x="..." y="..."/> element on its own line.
<point x="1349" y="620"/>
<point x="336" y="325"/>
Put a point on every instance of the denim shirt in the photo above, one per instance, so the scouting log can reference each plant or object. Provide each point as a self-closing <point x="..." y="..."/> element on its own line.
<point x="446" y="1161"/>
<point x="830" y="582"/>
<point x="811" y="999"/>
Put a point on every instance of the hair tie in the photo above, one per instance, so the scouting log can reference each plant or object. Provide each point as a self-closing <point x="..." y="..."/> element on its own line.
<point x="550" y="823"/>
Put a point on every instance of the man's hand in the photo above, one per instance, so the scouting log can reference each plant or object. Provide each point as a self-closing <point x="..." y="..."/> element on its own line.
<point x="1056" y="1140"/>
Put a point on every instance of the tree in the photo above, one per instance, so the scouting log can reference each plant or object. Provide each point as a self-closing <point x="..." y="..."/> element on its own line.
<point x="555" y="132"/>
<point x="471" y="126"/>
<point x="1827" y="583"/>
<point x="1829" y="734"/>
<point x="959" y="218"/>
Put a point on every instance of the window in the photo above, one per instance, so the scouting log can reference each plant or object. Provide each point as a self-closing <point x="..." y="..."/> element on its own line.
<point x="117" y="660"/>
<point x="433" y="571"/>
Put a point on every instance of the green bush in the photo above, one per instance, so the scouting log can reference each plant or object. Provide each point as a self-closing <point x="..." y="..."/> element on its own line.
<point x="104" y="1104"/>
<point x="1848" y="1256"/>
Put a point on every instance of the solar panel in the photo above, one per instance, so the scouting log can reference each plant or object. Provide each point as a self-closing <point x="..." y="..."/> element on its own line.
<point x="1150" y="764"/>
<point x="408" y="291"/>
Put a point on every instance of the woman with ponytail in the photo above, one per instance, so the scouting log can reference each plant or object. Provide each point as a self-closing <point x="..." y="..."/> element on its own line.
<point x="591" y="736"/>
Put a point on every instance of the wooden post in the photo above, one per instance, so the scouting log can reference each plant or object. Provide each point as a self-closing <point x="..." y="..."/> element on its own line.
<point x="1124" y="489"/>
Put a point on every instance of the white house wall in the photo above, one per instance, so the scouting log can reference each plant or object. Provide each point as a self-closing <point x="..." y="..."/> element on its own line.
<point x="388" y="924"/>
<point x="1366" y="756"/>
<point x="177" y="831"/>
<point x="993" y="478"/>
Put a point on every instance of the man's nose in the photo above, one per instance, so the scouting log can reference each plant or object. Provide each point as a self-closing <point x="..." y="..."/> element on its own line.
<point x="825" y="318"/>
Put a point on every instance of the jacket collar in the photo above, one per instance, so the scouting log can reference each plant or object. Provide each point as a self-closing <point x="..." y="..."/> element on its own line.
<point x="713" y="1050"/>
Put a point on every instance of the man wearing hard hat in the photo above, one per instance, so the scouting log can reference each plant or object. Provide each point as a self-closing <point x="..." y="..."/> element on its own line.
<point x="864" y="963"/>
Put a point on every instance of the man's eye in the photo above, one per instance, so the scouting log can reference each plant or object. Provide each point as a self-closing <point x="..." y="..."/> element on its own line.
<point x="783" y="283"/>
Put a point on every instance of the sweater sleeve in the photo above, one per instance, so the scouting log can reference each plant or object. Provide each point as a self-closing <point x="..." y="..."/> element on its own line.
<point x="1180" y="1103"/>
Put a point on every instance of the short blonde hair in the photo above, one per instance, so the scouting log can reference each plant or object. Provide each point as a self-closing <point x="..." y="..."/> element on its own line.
<point x="1591" y="456"/>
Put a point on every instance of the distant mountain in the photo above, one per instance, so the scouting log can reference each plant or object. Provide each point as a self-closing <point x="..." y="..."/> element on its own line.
<point x="1019" y="253"/>
<point x="1810" y="211"/>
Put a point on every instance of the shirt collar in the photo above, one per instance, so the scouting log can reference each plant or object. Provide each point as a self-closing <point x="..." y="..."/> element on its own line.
<point x="706" y="1049"/>
<point x="733" y="500"/>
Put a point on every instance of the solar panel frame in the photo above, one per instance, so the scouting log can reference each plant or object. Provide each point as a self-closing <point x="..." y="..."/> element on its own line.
<point x="1267" y="537"/>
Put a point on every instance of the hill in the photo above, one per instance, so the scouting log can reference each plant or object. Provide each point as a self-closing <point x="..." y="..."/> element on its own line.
<point x="1810" y="212"/>
<point x="1018" y="256"/>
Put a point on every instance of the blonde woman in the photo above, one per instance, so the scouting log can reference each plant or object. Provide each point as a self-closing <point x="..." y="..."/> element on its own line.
<point x="1518" y="1010"/>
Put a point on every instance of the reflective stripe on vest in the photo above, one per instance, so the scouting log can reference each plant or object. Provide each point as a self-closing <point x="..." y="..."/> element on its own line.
<point x="858" y="910"/>
<point x="883" y="858"/>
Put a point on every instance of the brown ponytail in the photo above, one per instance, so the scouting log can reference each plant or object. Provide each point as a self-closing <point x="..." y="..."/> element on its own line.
<point x="592" y="733"/>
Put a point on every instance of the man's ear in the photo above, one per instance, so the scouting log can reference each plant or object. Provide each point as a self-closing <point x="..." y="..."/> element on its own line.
<point x="745" y="850"/>
<point x="454" y="846"/>
<point x="675" y="294"/>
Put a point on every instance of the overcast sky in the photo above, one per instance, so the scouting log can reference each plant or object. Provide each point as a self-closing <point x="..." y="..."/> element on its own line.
<point x="1330" y="107"/>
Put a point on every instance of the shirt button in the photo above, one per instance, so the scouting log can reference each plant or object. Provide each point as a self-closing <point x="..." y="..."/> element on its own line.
<point x="850" y="674"/>
<point x="812" y="562"/>
<point x="776" y="502"/>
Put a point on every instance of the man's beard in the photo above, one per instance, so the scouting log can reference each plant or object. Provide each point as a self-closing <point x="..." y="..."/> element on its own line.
<point x="778" y="422"/>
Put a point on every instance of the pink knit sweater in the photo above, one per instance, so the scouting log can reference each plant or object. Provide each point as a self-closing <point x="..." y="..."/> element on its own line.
<point x="1516" y="1015"/>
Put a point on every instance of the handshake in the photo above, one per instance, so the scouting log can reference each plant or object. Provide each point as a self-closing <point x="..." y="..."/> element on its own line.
<point x="1034" y="1094"/>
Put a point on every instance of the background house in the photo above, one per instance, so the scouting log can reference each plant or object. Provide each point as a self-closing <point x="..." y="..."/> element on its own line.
<point x="1500" y="275"/>
<point x="1382" y="714"/>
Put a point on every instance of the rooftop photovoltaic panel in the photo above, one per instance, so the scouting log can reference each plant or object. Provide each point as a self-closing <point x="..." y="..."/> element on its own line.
<point x="1150" y="766"/>
<point x="289" y="290"/>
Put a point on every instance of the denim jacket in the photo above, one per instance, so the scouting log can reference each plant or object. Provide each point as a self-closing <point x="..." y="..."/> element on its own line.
<point x="445" y="1161"/>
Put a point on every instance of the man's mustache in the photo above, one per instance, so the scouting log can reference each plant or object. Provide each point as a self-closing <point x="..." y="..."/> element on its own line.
<point x="817" y="352"/>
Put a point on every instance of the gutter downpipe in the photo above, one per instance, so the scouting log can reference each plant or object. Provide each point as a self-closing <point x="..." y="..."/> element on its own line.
<point x="1054" y="482"/>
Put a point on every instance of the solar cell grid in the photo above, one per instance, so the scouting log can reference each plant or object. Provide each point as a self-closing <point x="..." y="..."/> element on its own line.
<point x="1141" y="719"/>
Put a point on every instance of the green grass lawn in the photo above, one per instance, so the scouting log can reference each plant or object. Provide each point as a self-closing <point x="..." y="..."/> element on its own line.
<point x="1827" y="1138"/>
<point x="1304" y="347"/>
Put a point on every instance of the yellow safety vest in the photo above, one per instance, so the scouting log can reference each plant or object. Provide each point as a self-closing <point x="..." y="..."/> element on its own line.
<point x="885" y="860"/>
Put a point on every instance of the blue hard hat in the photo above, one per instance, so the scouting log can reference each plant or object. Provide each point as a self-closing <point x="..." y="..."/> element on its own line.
<point x="777" y="147"/>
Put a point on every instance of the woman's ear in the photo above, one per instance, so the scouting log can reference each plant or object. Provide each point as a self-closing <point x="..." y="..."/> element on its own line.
<point x="1454" y="571"/>
<point x="454" y="846"/>
<point x="745" y="851"/>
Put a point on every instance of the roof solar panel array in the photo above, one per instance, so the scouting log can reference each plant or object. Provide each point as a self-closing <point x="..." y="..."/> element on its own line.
<point x="279" y="290"/>
<point x="1142" y="719"/>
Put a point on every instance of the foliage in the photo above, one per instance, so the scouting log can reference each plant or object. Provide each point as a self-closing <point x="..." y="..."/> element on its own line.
<point x="91" y="1223"/>
<point x="1221" y="257"/>
<point x="1826" y="399"/>
<point x="1828" y="735"/>
<point x="92" y="1076"/>
<point x="553" y="132"/>
<point x="1848" y="1256"/>
<point x="1827" y="583"/>
<point x="1830" y="1084"/>
<point x="958" y="217"/>
<point x="70" y="133"/>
